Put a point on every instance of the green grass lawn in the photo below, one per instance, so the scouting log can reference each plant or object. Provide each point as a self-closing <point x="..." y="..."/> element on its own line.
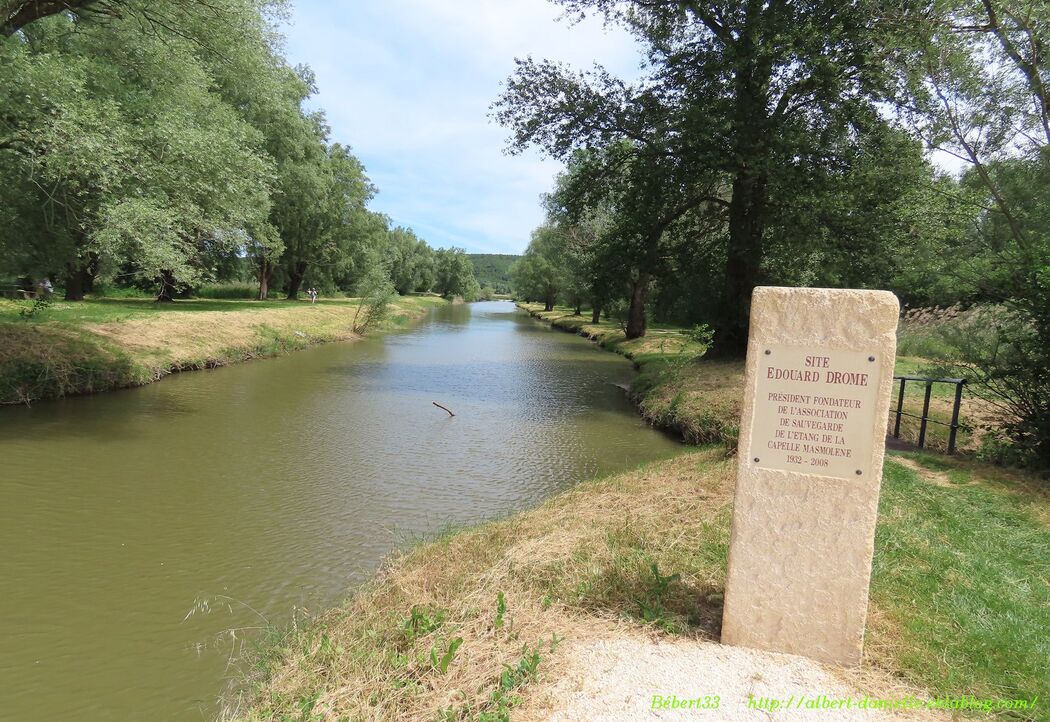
<point x="962" y="579"/>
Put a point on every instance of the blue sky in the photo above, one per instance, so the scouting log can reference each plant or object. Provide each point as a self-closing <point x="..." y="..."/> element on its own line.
<point x="408" y="85"/>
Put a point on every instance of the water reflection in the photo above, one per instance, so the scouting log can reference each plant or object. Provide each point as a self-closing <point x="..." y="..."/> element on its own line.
<point x="274" y="484"/>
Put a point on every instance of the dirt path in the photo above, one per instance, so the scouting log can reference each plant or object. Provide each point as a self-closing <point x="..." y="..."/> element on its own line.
<point x="616" y="680"/>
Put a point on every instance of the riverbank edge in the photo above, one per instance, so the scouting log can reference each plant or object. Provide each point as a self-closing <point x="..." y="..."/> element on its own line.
<point x="41" y="361"/>
<point x="470" y="624"/>
<point x="675" y="389"/>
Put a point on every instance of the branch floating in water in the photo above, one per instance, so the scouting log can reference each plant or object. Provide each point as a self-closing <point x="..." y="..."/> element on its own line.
<point x="443" y="407"/>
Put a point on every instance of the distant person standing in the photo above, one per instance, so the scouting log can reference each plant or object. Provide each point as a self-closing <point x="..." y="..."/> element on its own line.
<point x="313" y="294"/>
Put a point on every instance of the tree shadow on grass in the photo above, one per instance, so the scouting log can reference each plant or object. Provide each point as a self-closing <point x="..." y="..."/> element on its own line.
<point x="641" y="591"/>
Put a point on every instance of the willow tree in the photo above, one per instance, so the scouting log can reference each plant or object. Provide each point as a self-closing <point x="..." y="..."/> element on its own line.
<point x="128" y="155"/>
<point x="325" y="192"/>
<point x="411" y="261"/>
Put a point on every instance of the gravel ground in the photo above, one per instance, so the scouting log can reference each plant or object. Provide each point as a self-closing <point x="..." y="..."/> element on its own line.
<point x="615" y="680"/>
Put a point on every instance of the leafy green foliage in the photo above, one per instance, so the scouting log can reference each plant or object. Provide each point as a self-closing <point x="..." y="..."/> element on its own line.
<point x="165" y="145"/>
<point x="786" y="144"/>
<point x="422" y="621"/>
<point x="652" y="605"/>
<point x="41" y="303"/>
<point x="501" y="611"/>
<point x="454" y="274"/>
<point x="126" y="150"/>
<point x="412" y="261"/>
<point x="441" y="664"/>
<point x="741" y="99"/>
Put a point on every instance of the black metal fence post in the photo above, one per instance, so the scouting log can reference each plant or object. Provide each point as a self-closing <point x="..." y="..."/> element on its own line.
<point x="955" y="416"/>
<point x="900" y="409"/>
<point x="925" y="414"/>
<point x="924" y="417"/>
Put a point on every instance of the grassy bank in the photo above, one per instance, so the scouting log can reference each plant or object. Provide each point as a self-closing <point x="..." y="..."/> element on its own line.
<point x="97" y="345"/>
<point x="474" y="624"/>
<point x="699" y="399"/>
<point x="470" y="625"/>
<point x="679" y="390"/>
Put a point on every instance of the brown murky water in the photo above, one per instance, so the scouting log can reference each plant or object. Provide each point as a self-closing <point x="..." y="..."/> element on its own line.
<point x="138" y="528"/>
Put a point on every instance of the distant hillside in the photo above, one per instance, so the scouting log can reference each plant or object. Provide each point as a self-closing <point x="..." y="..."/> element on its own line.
<point x="493" y="269"/>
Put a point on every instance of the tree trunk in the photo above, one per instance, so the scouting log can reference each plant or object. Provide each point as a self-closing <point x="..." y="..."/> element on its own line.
<point x="747" y="206"/>
<point x="636" y="309"/>
<point x="596" y="314"/>
<point x="548" y="305"/>
<point x="578" y="310"/>
<point x="80" y="279"/>
<point x="264" y="274"/>
<point x="295" y="280"/>
<point x="747" y="211"/>
<point x="167" y="287"/>
<point x="75" y="285"/>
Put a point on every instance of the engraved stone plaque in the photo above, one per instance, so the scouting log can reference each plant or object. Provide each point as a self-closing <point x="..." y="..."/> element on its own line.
<point x="814" y="411"/>
<point x="816" y="403"/>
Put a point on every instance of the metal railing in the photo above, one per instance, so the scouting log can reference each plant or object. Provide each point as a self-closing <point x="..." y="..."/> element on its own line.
<point x="924" y="418"/>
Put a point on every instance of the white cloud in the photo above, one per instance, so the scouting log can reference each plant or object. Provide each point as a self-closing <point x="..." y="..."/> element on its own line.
<point x="408" y="84"/>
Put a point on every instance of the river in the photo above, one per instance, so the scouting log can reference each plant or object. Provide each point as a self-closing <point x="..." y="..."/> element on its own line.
<point x="147" y="533"/>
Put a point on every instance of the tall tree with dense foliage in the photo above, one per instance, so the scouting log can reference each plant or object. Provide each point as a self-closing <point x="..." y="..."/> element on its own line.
<point x="127" y="155"/>
<point x="315" y="215"/>
<point x="541" y="274"/>
<point x="738" y="87"/>
<point x="454" y="274"/>
<point x="411" y="261"/>
<point x="979" y="77"/>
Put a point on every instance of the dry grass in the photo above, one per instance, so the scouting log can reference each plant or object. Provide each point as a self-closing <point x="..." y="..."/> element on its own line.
<point x="95" y="346"/>
<point x="574" y="568"/>
<point x="184" y="339"/>
<point x="58" y="359"/>
<point x="645" y="552"/>
<point x="187" y="339"/>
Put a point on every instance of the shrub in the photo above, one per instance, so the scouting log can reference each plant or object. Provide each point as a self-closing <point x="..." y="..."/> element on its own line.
<point x="228" y="291"/>
<point x="102" y="290"/>
<point x="1004" y="354"/>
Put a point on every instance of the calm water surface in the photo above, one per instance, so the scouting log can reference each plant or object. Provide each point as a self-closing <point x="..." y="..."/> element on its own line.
<point x="138" y="527"/>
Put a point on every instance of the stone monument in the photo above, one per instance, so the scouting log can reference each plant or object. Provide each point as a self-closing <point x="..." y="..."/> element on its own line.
<point x="812" y="441"/>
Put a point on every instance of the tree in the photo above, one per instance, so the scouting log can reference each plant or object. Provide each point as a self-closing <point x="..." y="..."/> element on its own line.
<point x="325" y="192"/>
<point x="978" y="75"/>
<point x="130" y="154"/>
<point x="410" y="260"/>
<point x="639" y="191"/>
<point x="737" y="87"/>
<point x="540" y="273"/>
<point x="162" y="19"/>
<point x="455" y="274"/>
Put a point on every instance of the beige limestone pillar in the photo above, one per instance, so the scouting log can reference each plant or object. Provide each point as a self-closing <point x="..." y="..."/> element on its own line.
<point x="812" y="440"/>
